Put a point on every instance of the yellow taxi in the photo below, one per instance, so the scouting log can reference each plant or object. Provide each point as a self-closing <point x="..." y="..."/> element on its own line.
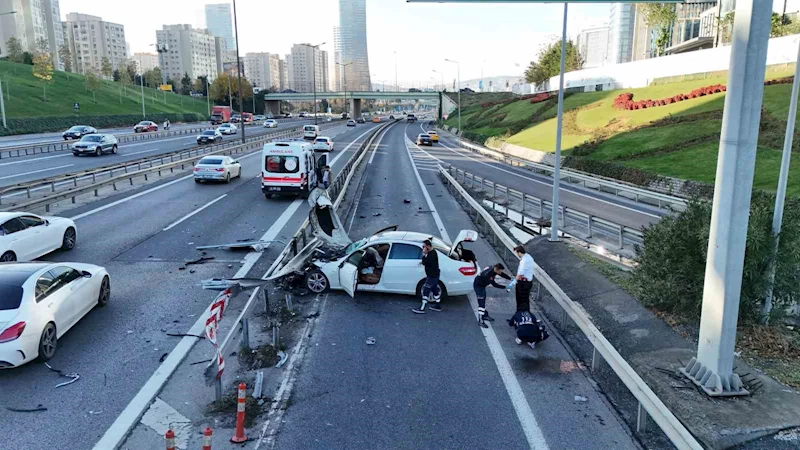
<point x="434" y="136"/>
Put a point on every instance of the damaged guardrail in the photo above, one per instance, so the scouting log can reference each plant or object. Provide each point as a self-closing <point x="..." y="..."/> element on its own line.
<point x="649" y="403"/>
<point x="583" y="225"/>
<point x="594" y="182"/>
<point x="301" y="240"/>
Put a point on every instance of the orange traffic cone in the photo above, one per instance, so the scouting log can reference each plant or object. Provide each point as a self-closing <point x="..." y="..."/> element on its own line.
<point x="207" y="439"/>
<point x="170" y="438"/>
<point x="239" y="437"/>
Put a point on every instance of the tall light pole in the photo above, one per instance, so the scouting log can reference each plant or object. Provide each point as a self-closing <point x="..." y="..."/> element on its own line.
<point x="238" y="65"/>
<point x="559" y="122"/>
<point x="344" y="73"/>
<point x="314" y="74"/>
<point x="458" y="68"/>
<point x="208" y="96"/>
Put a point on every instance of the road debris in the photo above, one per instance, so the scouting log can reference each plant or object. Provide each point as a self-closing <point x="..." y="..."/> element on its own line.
<point x="185" y="335"/>
<point x="200" y="260"/>
<point x="163" y="357"/>
<point x="25" y="410"/>
<point x="370" y="341"/>
<point x="259" y="386"/>
<point x="579" y="398"/>
<point x="201" y="362"/>
<point x="376" y="215"/>
<point x="72" y="375"/>
<point x="283" y="358"/>
<point x="406" y="201"/>
<point x="94" y="413"/>
<point x="256" y="245"/>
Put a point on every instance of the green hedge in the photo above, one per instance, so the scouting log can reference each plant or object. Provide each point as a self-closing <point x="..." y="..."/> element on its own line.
<point x="43" y="124"/>
<point x="611" y="170"/>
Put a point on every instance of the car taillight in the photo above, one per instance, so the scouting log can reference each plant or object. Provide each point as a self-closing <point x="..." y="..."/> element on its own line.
<point x="220" y="170"/>
<point x="197" y="169"/>
<point x="12" y="332"/>
<point x="468" y="271"/>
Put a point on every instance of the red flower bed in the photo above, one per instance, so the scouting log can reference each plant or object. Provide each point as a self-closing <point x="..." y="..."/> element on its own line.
<point x="538" y="98"/>
<point x="534" y="98"/>
<point x="625" y="101"/>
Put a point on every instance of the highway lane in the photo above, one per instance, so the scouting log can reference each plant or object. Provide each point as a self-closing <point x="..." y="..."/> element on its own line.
<point x="142" y="242"/>
<point x="615" y="209"/>
<point x="436" y="380"/>
<point x="25" y="169"/>
<point x="38" y="138"/>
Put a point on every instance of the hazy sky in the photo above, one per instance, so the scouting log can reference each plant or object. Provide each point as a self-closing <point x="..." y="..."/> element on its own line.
<point x="497" y="37"/>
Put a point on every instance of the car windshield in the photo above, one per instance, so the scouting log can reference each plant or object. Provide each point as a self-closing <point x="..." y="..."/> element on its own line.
<point x="423" y="136"/>
<point x="322" y="140"/>
<point x="355" y="245"/>
<point x="210" y="161"/>
<point x="270" y="121"/>
<point x="144" y="123"/>
<point x="76" y="129"/>
<point x="10" y="296"/>
<point x="208" y="133"/>
<point x="91" y="138"/>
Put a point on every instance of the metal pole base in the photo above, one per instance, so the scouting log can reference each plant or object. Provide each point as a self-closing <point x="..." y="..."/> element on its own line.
<point x="711" y="383"/>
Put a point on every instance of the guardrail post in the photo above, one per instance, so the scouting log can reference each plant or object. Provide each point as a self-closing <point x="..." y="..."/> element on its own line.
<point x="47" y="207"/>
<point x="53" y="186"/>
<point x="94" y="178"/>
<point x="596" y="358"/>
<point x="541" y="208"/>
<point x="28" y="189"/>
<point x="621" y="241"/>
<point x="246" y="333"/>
<point x="75" y="181"/>
<point x="589" y="226"/>
<point x="523" y="207"/>
<point x="641" y="418"/>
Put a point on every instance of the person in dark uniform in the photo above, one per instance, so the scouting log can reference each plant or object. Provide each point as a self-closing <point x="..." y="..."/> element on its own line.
<point x="482" y="281"/>
<point x="529" y="329"/>
<point x="430" y="289"/>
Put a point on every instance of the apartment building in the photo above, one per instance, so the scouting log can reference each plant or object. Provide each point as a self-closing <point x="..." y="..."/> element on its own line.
<point x="262" y="70"/>
<point x="306" y="65"/>
<point x="91" y="39"/>
<point x="186" y="50"/>
<point x="145" y="62"/>
<point x="593" y="46"/>
<point x="33" y="20"/>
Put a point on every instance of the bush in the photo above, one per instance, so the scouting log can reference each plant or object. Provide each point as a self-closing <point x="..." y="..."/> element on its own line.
<point x="611" y="170"/>
<point x="44" y="124"/>
<point x="671" y="271"/>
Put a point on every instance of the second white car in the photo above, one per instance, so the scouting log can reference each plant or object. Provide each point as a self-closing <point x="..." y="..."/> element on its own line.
<point x="323" y="144"/>
<point x="228" y="128"/>
<point x="270" y="123"/>
<point x="217" y="168"/>
<point x="25" y="236"/>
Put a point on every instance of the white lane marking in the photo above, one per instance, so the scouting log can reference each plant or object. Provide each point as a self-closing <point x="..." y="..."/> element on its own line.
<point x="162" y="417"/>
<point x="36" y="171"/>
<point x="117" y="432"/>
<point x="533" y="433"/>
<point x="179" y="221"/>
<point x="436" y="218"/>
<point x="33" y="160"/>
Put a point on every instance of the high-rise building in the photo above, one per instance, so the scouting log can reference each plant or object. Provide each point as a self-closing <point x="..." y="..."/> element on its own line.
<point x="220" y="23"/>
<point x="274" y="71"/>
<point x="145" y="62"/>
<point x="337" y="60"/>
<point x="34" y="20"/>
<point x="353" y="42"/>
<point x="220" y="48"/>
<point x="326" y="76"/>
<point x="593" y="46"/>
<point x="186" y="50"/>
<point x="258" y="70"/>
<point x="620" y="32"/>
<point x="306" y="66"/>
<point x="91" y="39"/>
<point x="284" y="75"/>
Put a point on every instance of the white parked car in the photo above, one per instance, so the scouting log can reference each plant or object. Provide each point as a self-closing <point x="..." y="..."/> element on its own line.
<point x="323" y="144"/>
<point x="41" y="301"/>
<point x="227" y="128"/>
<point x="270" y="123"/>
<point x="217" y="168"/>
<point x="25" y="236"/>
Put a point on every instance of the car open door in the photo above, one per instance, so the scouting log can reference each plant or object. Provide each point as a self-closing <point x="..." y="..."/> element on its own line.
<point x="348" y="273"/>
<point x="463" y="236"/>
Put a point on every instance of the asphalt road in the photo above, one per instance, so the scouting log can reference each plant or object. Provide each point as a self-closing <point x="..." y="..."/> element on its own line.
<point x="38" y="138"/>
<point x="142" y="242"/>
<point x="30" y="168"/>
<point x="436" y="380"/>
<point x="615" y="209"/>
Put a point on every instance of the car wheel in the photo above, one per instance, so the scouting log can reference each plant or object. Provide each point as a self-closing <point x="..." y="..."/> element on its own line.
<point x="197" y="181"/>
<point x="228" y="178"/>
<point x="98" y="152"/>
<point x="316" y="281"/>
<point x="66" y="139"/>
<point x="48" y="342"/>
<point x="70" y="237"/>
<point x="105" y="292"/>
<point x="8" y="257"/>
<point x="114" y="149"/>
<point x="442" y="289"/>
<point x="268" y="196"/>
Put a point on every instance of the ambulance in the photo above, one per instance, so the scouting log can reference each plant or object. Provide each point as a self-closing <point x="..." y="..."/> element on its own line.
<point x="290" y="168"/>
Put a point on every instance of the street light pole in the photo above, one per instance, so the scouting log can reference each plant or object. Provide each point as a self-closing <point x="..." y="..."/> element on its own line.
<point x="238" y="65"/>
<point x="208" y="96"/>
<point x="458" y="67"/>
<point x="314" y="74"/>
<point x="559" y="121"/>
<point x="141" y="81"/>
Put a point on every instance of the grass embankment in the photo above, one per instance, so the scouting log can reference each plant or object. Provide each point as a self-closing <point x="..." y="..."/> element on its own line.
<point x="679" y="140"/>
<point x="24" y="96"/>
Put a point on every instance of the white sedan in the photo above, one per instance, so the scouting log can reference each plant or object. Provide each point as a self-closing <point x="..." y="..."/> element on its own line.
<point x="270" y="123"/>
<point x="217" y="168"/>
<point x="323" y="144"/>
<point x="227" y="128"/>
<point x="25" y="236"/>
<point x="39" y="302"/>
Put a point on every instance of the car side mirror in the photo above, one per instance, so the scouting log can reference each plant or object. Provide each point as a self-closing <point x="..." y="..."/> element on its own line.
<point x="47" y="222"/>
<point x="86" y="274"/>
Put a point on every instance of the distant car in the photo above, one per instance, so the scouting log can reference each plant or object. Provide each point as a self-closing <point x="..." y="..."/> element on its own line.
<point x="434" y="135"/>
<point x="391" y="117"/>
<point x="361" y="120"/>
<point x="270" y="123"/>
<point x="411" y="118"/>
<point x="217" y="168"/>
<point x="236" y="118"/>
<point x="345" y="116"/>
<point x="209" y="137"/>
<point x="77" y="132"/>
<point x="351" y="123"/>
<point x="259" y="117"/>
<point x="25" y="237"/>
<point x="95" y="144"/>
<point x="424" y="139"/>
<point x="323" y="143"/>
<point x="228" y="128"/>
<point x="41" y="301"/>
<point x="302" y="114"/>
<point x="145" y="126"/>
<point x="376" y="119"/>
<point x="287" y="115"/>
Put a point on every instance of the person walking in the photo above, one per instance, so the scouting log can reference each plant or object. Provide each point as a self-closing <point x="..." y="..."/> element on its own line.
<point x="523" y="280"/>
<point x="482" y="281"/>
<point x="326" y="176"/>
<point x="430" y="289"/>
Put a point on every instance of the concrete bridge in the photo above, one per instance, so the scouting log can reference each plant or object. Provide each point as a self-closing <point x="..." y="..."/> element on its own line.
<point x="273" y="101"/>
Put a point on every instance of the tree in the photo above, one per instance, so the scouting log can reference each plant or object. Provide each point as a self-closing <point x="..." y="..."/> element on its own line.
<point x="66" y="57"/>
<point x="27" y="58"/>
<point x="153" y="77"/>
<point x="199" y="85"/>
<point x="220" y="88"/>
<point x="186" y="84"/>
<point x="116" y="75"/>
<point x="14" y="50"/>
<point x="93" y="83"/>
<point x="130" y="68"/>
<point x="43" y="65"/>
<point x="660" y="16"/>
<point x="106" y="69"/>
<point x="549" y="62"/>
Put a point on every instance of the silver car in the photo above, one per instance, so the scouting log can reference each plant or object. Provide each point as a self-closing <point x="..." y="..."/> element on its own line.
<point x="95" y="144"/>
<point x="217" y="168"/>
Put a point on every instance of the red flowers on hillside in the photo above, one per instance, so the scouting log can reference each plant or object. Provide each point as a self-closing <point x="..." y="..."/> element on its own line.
<point x="534" y="98"/>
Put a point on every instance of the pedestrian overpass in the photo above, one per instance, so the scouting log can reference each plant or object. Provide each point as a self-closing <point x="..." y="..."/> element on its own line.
<point x="273" y="101"/>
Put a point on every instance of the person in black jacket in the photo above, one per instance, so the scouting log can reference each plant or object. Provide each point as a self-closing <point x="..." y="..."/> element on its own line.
<point x="482" y="281"/>
<point x="430" y="260"/>
<point x="529" y="329"/>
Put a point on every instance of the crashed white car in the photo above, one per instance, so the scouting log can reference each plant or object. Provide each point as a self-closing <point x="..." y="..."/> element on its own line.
<point x="393" y="266"/>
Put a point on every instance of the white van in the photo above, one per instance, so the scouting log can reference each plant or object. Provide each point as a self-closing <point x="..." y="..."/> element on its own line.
<point x="289" y="167"/>
<point x="310" y="131"/>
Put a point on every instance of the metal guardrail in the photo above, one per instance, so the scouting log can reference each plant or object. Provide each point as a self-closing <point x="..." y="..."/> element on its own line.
<point x="301" y="238"/>
<point x="129" y="176"/>
<point x="587" y="181"/>
<point x="649" y="403"/>
<point x="578" y="223"/>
